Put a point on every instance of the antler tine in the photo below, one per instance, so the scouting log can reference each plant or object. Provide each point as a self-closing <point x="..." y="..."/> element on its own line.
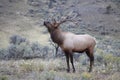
<point x="64" y="20"/>
<point x="68" y="18"/>
<point x="54" y="20"/>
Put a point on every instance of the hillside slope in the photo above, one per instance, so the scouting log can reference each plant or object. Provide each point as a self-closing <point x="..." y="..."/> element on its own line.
<point x="13" y="21"/>
<point x="25" y="18"/>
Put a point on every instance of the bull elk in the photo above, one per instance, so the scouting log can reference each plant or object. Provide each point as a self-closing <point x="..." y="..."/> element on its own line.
<point x="70" y="42"/>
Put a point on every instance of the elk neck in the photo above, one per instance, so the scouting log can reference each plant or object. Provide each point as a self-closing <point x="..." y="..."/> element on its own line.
<point x="57" y="36"/>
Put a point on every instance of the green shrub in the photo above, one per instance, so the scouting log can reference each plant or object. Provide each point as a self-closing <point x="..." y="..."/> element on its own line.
<point x="16" y="48"/>
<point x="107" y="61"/>
<point x="16" y="39"/>
<point x="112" y="63"/>
<point x="3" y="53"/>
<point x="3" y="77"/>
<point x="20" y="48"/>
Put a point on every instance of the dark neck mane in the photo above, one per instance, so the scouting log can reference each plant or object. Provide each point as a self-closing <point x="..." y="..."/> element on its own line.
<point x="57" y="36"/>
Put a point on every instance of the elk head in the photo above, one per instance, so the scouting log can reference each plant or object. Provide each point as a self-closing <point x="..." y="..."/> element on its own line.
<point x="51" y="26"/>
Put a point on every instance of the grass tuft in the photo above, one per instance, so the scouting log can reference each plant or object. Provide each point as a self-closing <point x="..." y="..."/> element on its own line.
<point x="86" y="76"/>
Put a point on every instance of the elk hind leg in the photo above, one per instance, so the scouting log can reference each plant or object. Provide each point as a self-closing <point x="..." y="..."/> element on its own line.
<point x="91" y="57"/>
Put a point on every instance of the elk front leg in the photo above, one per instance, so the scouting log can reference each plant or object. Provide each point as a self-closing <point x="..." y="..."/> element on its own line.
<point x="67" y="60"/>
<point x="71" y="58"/>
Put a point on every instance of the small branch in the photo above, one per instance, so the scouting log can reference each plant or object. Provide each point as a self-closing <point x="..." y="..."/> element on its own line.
<point x="55" y="46"/>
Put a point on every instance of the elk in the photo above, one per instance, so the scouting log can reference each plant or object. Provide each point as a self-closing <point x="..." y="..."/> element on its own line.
<point x="70" y="42"/>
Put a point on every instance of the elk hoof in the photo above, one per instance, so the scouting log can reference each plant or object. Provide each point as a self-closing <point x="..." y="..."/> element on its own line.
<point x="89" y="70"/>
<point x="74" y="71"/>
<point x="68" y="70"/>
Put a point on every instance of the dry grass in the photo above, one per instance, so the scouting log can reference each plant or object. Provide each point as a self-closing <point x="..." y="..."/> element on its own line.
<point x="37" y="69"/>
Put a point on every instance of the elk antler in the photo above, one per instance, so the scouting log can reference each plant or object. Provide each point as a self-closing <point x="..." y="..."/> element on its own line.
<point x="54" y="21"/>
<point x="64" y="20"/>
<point x="68" y="18"/>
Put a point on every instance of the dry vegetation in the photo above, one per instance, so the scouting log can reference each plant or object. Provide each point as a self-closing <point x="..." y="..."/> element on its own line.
<point x="38" y="69"/>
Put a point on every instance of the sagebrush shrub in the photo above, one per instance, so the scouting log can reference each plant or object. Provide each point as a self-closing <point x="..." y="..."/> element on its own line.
<point x="20" y="47"/>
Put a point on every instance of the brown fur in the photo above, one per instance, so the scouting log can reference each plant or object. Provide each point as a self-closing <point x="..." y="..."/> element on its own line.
<point x="70" y="43"/>
<point x="57" y="37"/>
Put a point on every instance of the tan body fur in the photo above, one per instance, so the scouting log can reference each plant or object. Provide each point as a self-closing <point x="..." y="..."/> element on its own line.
<point x="77" y="42"/>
